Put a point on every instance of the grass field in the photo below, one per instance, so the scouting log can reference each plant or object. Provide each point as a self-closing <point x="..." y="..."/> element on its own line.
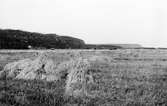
<point x="135" y="77"/>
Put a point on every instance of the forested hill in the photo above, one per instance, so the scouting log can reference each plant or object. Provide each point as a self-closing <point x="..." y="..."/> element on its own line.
<point x="17" y="39"/>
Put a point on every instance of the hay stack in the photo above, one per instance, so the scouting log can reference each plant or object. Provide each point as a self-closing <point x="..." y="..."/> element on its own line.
<point x="87" y="76"/>
<point x="11" y="70"/>
<point x="41" y="68"/>
<point x="76" y="78"/>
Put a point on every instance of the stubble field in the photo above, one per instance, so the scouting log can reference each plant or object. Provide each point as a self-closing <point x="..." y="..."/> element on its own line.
<point x="125" y="77"/>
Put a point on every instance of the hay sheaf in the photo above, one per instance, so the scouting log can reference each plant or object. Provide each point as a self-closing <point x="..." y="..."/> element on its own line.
<point x="40" y="68"/>
<point x="11" y="70"/>
<point x="87" y="76"/>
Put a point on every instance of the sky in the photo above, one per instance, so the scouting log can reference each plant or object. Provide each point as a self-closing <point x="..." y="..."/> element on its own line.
<point x="95" y="21"/>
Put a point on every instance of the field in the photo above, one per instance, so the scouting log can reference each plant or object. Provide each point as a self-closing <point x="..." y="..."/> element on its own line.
<point x="125" y="77"/>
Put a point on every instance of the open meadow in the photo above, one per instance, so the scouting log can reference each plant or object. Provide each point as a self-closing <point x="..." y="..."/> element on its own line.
<point x="122" y="77"/>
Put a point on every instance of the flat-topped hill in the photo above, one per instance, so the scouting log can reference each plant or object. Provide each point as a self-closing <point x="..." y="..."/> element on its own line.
<point x="113" y="46"/>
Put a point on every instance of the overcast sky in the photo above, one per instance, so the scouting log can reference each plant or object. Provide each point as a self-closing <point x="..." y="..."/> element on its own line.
<point x="95" y="21"/>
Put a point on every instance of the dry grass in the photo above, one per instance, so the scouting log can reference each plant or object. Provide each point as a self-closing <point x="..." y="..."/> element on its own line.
<point x="119" y="77"/>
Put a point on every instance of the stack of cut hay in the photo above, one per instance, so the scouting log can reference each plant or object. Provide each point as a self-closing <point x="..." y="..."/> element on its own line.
<point x="88" y="76"/>
<point x="40" y="68"/>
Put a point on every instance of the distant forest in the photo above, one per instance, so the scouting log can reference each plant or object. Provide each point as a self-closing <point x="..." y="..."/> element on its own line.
<point x="17" y="39"/>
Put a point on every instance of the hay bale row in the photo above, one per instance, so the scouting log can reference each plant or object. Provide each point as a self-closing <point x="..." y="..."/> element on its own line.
<point x="83" y="75"/>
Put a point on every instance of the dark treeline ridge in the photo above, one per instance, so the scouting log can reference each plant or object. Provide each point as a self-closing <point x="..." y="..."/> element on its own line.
<point x="17" y="39"/>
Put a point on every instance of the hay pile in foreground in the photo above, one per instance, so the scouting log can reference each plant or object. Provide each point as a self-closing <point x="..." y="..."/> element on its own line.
<point x="84" y="76"/>
<point x="87" y="76"/>
<point x="42" y="68"/>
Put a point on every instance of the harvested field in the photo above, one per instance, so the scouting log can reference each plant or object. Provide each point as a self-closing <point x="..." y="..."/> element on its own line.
<point x="84" y="77"/>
